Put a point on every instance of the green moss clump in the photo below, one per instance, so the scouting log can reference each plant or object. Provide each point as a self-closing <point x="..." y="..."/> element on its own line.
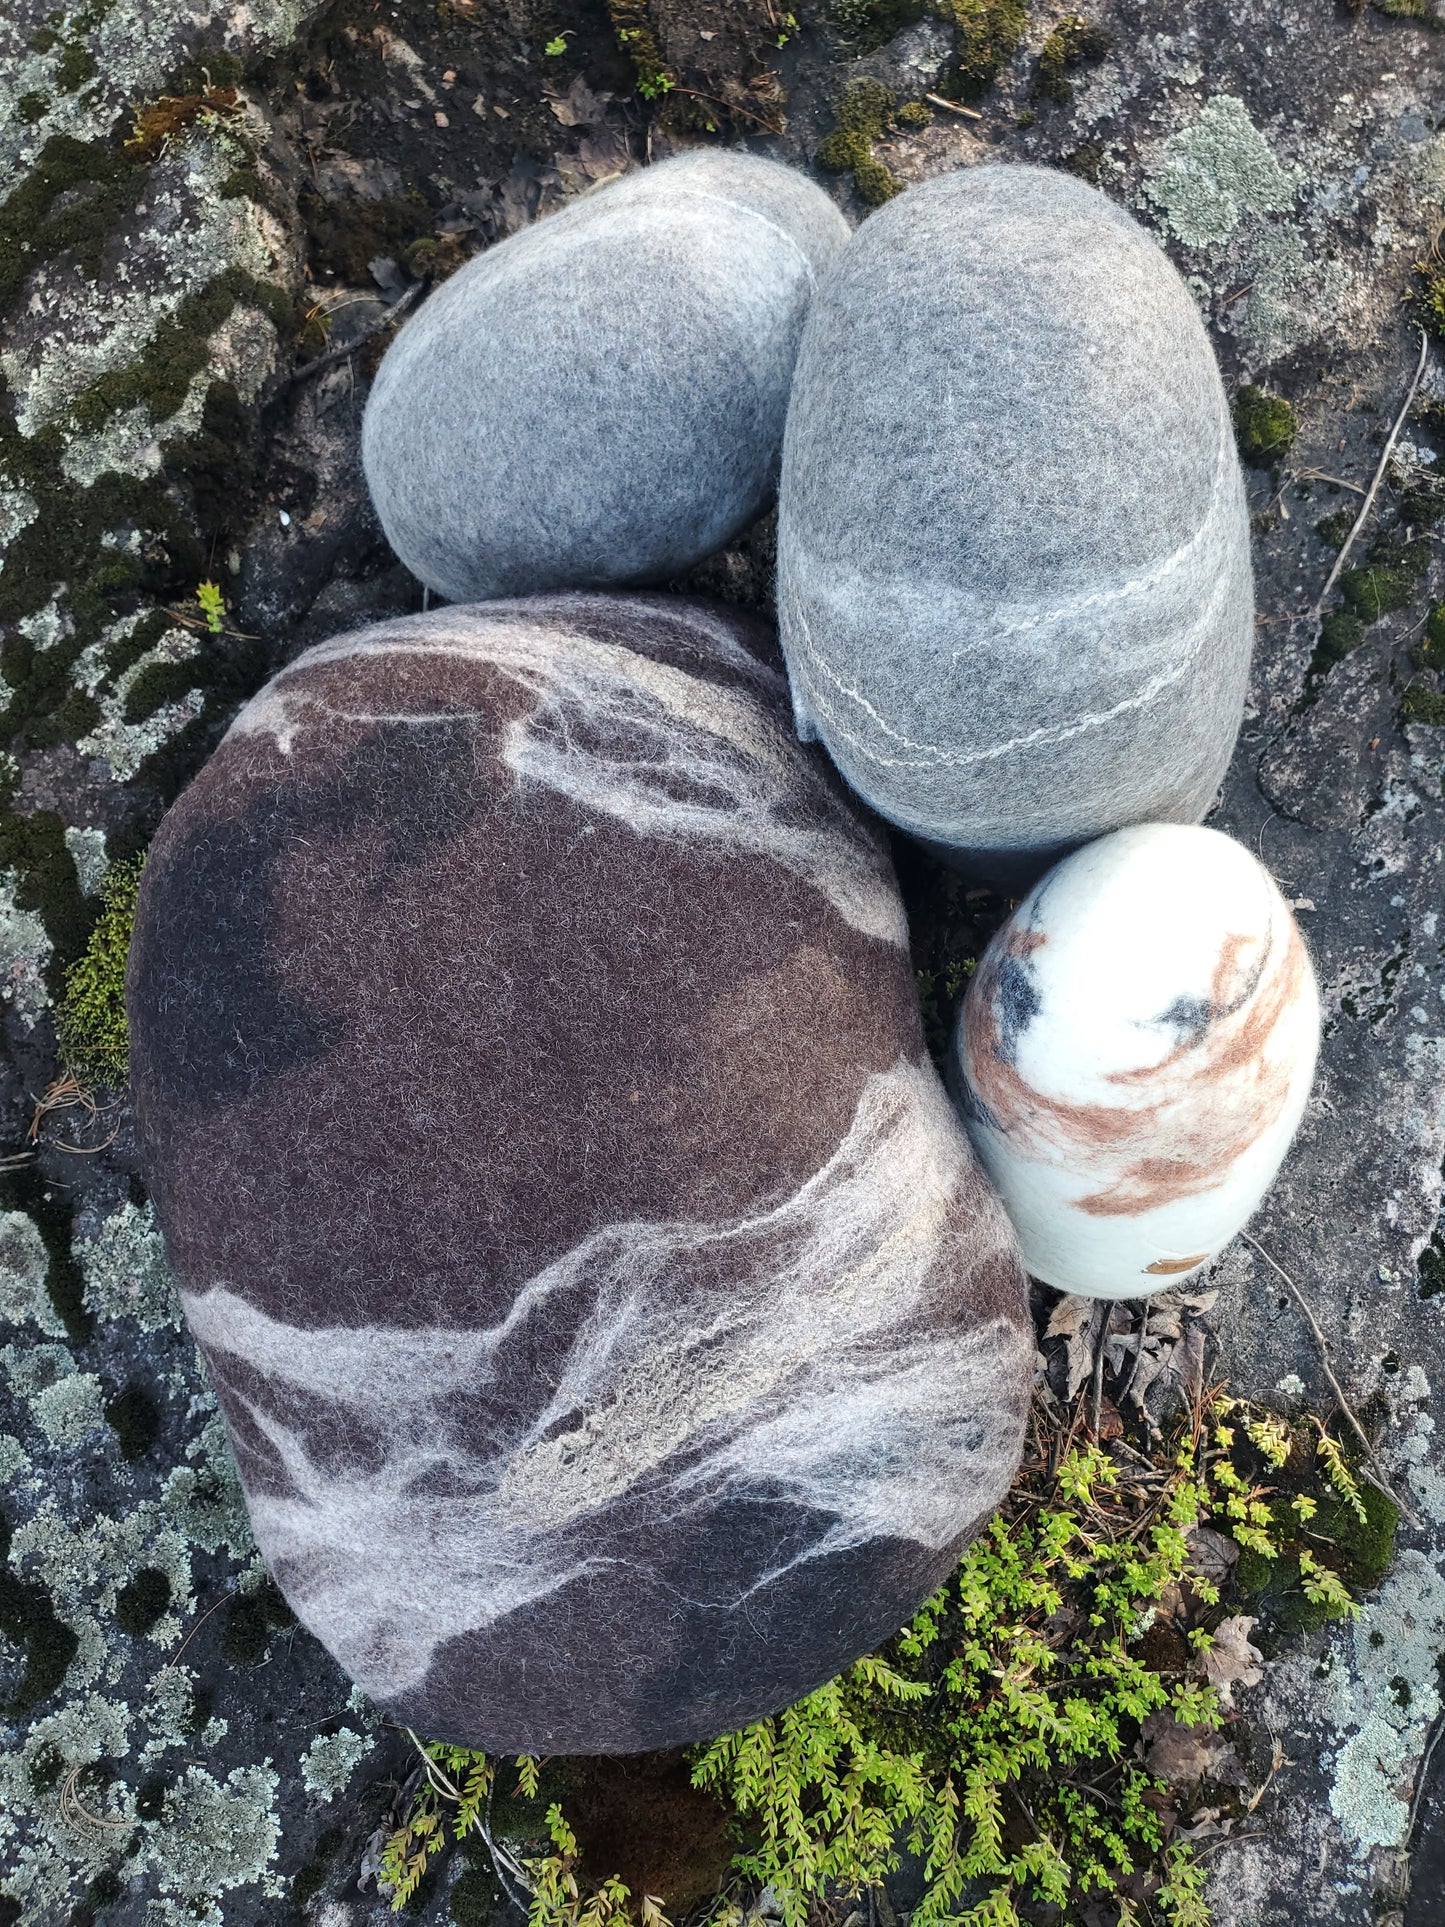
<point x="308" y="1881"/>
<point x="1264" y="426"/>
<point x="634" y="34"/>
<point x="1333" y="530"/>
<point x="28" y="1619"/>
<point x="179" y="349"/>
<point x="987" y="35"/>
<point x="135" y="1418"/>
<point x="1087" y="161"/>
<point x="99" y="188"/>
<point x="870" y="24"/>
<point x="1072" y="43"/>
<point x="863" y="114"/>
<point x="142" y="1600"/>
<point x="250" y="1618"/>
<point x="92" y="1034"/>
<point x="915" y="113"/>
<point x="475" y="1899"/>
<point x="1340" y="633"/>
<point x="1423" y="706"/>
<point x="343" y="237"/>
<point x="32" y="108"/>
<point x="1386" y="582"/>
<point x="1432" y="649"/>
<point x="75" y="66"/>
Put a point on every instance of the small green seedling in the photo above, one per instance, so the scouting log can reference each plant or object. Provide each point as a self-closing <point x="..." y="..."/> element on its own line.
<point x="556" y="45"/>
<point x="213" y="605"/>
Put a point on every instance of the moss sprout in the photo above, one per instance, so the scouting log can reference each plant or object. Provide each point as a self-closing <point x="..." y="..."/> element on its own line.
<point x="863" y="114"/>
<point x="1264" y="426"/>
<point x="91" y="1029"/>
<point x="1333" y="530"/>
<point x="987" y="35"/>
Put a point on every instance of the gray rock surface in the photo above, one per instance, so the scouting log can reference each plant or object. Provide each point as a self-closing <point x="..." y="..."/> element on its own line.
<point x="1031" y="624"/>
<point x="1289" y="156"/>
<point x="601" y="400"/>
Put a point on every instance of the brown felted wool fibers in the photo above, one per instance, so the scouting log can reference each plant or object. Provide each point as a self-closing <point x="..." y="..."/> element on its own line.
<point x="1013" y="545"/>
<point x="600" y="398"/>
<point x="616" y="1333"/>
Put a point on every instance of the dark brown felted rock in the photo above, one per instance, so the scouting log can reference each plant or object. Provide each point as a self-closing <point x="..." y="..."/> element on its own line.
<point x="616" y="1333"/>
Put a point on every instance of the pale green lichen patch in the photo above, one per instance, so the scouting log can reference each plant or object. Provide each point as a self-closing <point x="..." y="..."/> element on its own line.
<point x="71" y="1409"/>
<point x="18" y="509"/>
<point x="1211" y="174"/>
<point x="211" y="1837"/>
<point x="25" y="950"/>
<point x="125" y="1271"/>
<point x="330" y="1760"/>
<point x="87" y="852"/>
<point x="24" y="1264"/>
<point x="123" y="742"/>
<point x="1387" y="1702"/>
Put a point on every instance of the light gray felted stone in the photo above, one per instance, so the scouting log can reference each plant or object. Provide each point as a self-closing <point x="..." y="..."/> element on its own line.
<point x="600" y="399"/>
<point x="1013" y="550"/>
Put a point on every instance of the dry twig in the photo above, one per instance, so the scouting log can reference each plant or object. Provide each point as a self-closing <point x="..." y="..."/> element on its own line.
<point x="1373" y="490"/>
<point x="1382" y="1476"/>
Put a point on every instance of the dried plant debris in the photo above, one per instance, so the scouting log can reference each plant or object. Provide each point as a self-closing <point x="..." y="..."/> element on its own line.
<point x="1157" y="1345"/>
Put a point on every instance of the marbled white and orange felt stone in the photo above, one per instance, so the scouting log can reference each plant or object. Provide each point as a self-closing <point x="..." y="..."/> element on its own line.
<point x="615" y="1330"/>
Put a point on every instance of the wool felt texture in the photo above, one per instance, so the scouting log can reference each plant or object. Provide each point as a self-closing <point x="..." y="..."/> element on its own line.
<point x="616" y="1333"/>
<point x="600" y="399"/>
<point x="1013" y="551"/>
<point x="1134" y="1056"/>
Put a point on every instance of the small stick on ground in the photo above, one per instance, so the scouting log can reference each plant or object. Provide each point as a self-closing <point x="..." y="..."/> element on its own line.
<point x="953" y="107"/>
<point x="1138" y="1353"/>
<point x="1097" y="1402"/>
<point x="1420" y="1778"/>
<point x="1373" y="490"/>
<point x="384" y="320"/>
<point x="1380" y="1470"/>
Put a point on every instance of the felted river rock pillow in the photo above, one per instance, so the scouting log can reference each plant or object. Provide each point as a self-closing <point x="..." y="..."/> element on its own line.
<point x="616" y="1333"/>
<point x="600" y="399"/>
<point x="1013" y="550"/>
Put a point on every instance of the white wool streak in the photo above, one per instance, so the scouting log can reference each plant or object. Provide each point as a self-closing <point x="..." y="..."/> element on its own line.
<point x="984" y="624"/>
<point x="669" y="754"/>
<point x="811" y="1355"/>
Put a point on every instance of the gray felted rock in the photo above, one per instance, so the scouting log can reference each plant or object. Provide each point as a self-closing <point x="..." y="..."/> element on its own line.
<point x="600" y="399"/>
<point x="615" y="1330"/>
<point x="1013" y="550"/>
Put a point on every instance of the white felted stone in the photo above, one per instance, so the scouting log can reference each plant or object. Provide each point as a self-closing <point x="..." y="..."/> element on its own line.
<point x="1134" y="1056"/>
<point x="600" y="399"/>
<point x="1013" y="550"/>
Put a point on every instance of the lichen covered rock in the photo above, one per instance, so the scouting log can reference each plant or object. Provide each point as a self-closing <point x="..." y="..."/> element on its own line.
<point x="616" y="1333"/>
